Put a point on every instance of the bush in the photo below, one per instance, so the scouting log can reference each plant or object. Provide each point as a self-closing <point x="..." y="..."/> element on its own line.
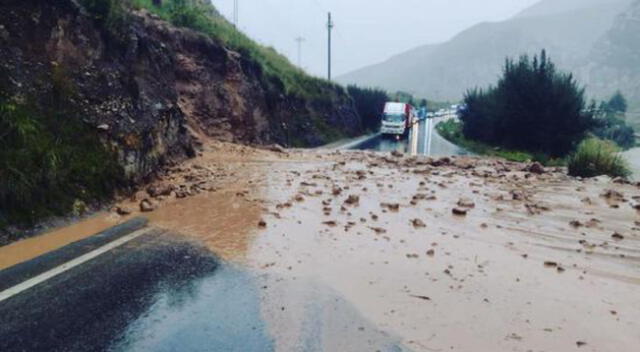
<point x="610" y="122"/>
<point x="596" y="157"/>
<point x="370" y="105"/>
<point x="616" y="130"/>
<point x="533" y="108"/>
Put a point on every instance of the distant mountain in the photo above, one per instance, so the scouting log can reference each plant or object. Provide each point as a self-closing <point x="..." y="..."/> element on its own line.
<point x="598" y="40"/>
<point x="615" y="58"/>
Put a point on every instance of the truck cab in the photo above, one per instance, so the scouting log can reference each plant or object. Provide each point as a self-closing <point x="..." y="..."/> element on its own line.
<point x="397" y="119"/>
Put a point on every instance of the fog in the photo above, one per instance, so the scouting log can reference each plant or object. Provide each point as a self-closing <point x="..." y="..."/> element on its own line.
<point x="366" y="31"/>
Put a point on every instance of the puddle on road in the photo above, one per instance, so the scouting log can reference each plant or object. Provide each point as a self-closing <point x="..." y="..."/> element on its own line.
<point x="224" y="221"/>
<point x="224" y="312"/>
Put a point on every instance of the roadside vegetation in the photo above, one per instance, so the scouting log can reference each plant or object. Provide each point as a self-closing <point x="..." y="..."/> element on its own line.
<point x="595" y="157"/>
<point x="536" y="113"/>
<point x="369" y="104"/>
<point x="452" y="131"/>
<point x="533" y="108"/>
<point x="611" y="124"/>
<point x="51" y="163"/>
<point x="202" y="17"/>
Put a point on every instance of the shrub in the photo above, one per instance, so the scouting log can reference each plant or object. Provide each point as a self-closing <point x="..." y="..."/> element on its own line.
<point x="616" y="130"/>
<point x="595" y="157"/>
<point x="610" y="123"/>
<point x="532" y="108"/>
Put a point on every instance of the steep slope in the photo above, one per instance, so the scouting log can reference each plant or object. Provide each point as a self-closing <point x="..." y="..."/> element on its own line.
<point x="554" y="7"/>
<point x="98" y="98"/>
<point x="616" y="58"/>
<point x="568" y="29"/>
<point x="150" y="89"/>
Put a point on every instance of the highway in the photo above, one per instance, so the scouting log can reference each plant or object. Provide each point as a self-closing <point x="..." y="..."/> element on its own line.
<point x="422" y="139"/>
<point x="162" y="292"/>
<point x="158" y="291"/>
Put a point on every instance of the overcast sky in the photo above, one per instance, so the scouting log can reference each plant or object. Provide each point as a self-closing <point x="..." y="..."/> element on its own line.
<point x="366" y="31"/>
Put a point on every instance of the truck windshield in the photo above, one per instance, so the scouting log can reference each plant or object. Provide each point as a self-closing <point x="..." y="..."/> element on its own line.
<point x="394" y="118"/>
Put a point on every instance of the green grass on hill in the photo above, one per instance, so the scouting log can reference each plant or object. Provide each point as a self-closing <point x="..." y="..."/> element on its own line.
<point x="205" y="19"/>
<point x="50" y="164"/>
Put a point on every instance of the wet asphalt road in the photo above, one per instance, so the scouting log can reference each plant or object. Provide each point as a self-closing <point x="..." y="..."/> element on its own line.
<point x="421" y="140"/>
<point x="163" y="293"/>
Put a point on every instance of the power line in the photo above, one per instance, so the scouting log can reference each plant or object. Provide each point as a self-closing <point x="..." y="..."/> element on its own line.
<point x="236" y="8"/>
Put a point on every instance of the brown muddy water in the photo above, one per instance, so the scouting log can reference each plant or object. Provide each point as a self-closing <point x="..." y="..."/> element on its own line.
<point x="30" y="248"/>
<point x="538" y="263"/>
<point x="474" y="282"/>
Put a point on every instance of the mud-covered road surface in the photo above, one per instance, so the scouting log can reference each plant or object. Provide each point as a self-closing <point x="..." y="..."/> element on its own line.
<point x="355" y="251"/>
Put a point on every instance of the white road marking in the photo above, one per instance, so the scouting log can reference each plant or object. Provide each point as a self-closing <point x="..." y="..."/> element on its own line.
<point x="356" y="142"/>
<point x="8" y="293"/>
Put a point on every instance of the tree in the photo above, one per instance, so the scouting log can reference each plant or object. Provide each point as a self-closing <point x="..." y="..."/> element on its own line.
<point x="532" y="108"/>
<point x="369" y="103"/>
<point x="617" y="103"/>
<point x="610" y="122"/>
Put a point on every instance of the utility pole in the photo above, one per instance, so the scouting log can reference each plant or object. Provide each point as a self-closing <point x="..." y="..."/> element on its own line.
<point x="235" y="12"/>
<point x="330" y="28"/>
<point x="299" y="40"/>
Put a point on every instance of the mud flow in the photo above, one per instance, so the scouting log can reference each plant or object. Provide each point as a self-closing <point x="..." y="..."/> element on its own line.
<point x="415" y="253"/>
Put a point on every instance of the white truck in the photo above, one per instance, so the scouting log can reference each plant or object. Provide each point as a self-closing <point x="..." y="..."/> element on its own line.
<point x="397" y="119"/>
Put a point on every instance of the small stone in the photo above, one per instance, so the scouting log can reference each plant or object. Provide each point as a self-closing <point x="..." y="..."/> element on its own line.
<point x="123" y="211"/>
<point x="391" y="206"/>
<point x="576" y="223"/>
<point x="536" y="168"/>
<point x="103" y="127"/>
<point x="431" y="252"/>
<point x="156" y="191"/>
<point x="466" y="203"/>
<point x="276" y="148"/>
<point x="262" y="224"/>
<point x="618" y="237"/>
<point x="459" y="211"/>
<point x="417" y="223"/>
<point x="147" y="206"/>
<point x="353" y="200"/>
<point x="330" y="223"/>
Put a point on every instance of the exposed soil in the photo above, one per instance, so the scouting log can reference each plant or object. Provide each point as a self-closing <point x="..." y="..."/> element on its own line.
<point x="447" y="254"/>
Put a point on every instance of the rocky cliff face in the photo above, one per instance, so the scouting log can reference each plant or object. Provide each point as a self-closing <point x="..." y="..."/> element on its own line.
<point x="153" y="90"/>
